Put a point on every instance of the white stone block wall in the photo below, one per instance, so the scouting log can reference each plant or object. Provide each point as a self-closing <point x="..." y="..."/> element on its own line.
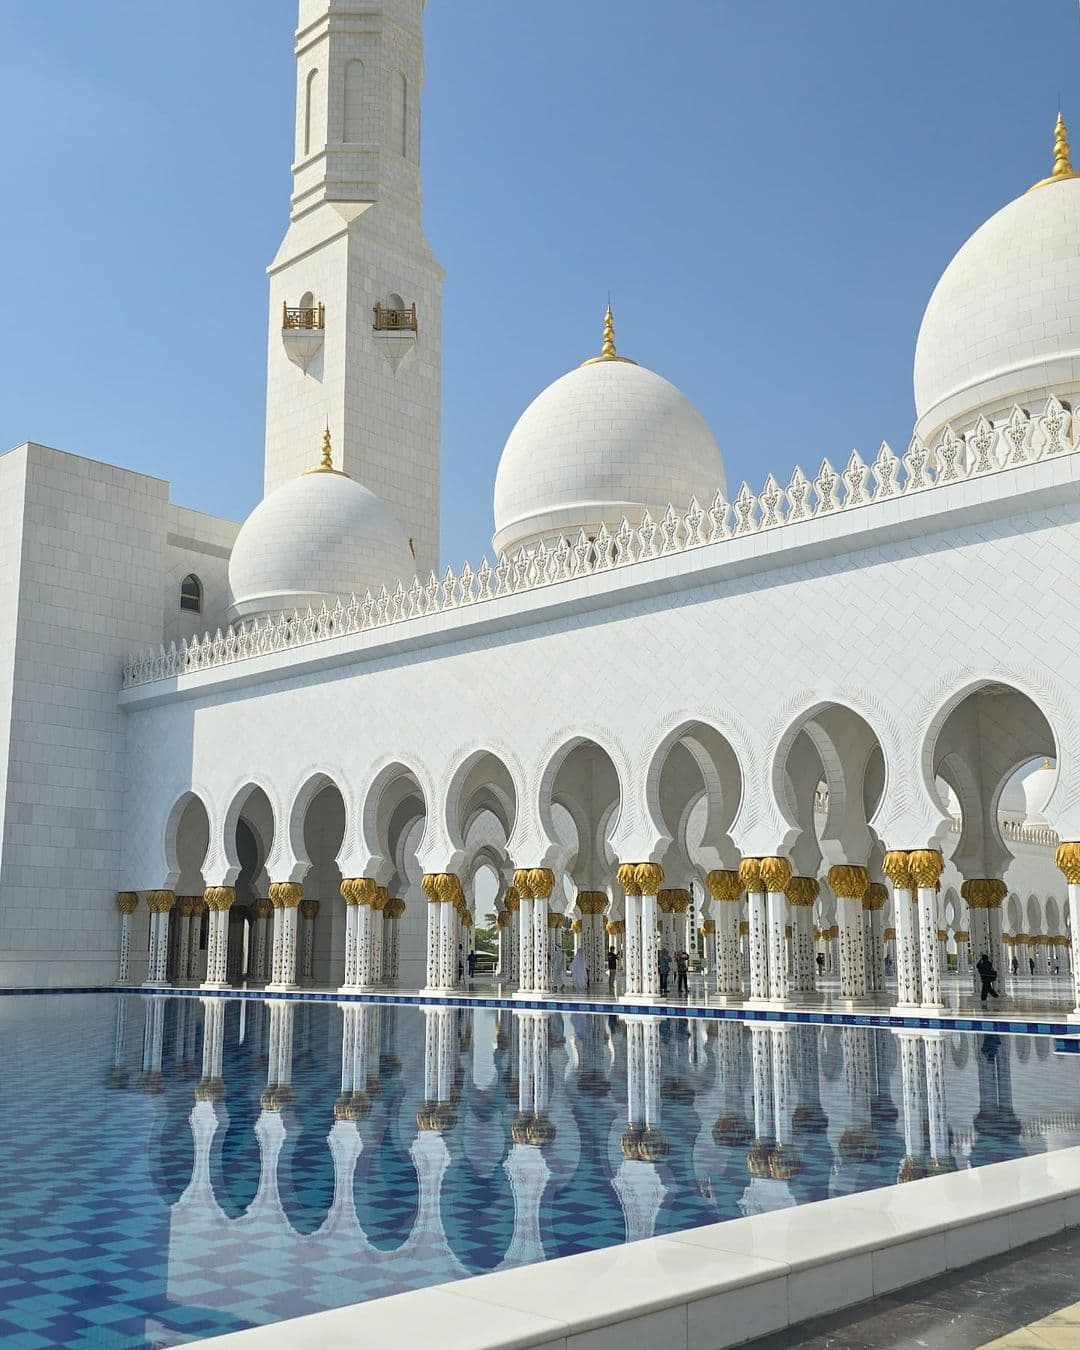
<point x="89" y="591"/>
<point x="200" y="544"/>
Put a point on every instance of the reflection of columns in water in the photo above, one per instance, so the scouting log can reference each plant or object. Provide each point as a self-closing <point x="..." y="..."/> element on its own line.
<point x="936" y="1108"/>
<point x="997" y="1127"/>
<point x="637" y="1183"/>
<point x="279" y="1089"/>
<point x="761" y="1083"/>
<point x="118" y="1075"/>
<point x="213" y="1048"/>
<point x="913" y="1081"/>
<point x="150" y="1079"/>
<point x="531" y="1131"/>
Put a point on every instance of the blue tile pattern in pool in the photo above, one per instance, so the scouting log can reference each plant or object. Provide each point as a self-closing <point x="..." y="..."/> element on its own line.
<point x="176" y="1168"/>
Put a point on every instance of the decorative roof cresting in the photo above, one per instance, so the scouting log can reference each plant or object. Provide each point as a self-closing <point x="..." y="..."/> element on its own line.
<point x="988" y="448"/>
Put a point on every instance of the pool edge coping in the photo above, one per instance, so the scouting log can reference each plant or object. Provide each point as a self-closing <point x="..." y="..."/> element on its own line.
<point x="984" y="1222"/>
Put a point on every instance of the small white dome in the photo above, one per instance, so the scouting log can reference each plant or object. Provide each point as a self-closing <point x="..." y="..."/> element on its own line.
<point x="1037" y="789"/>
<point x="608" y="440"/>
<point x="1012" y="804"/>
<point x="1003" y="324"/>
<point x="317" y="538"/>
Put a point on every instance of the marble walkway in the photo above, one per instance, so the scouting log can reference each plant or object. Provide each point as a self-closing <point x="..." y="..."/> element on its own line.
<point x="1024" y="1300"/>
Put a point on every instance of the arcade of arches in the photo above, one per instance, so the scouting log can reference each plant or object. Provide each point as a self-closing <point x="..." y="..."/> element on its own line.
<point x="838" y="905"/>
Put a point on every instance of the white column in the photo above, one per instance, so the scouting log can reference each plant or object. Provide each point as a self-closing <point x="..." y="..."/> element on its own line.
<point x="393" y="968"/>
<point x="285" y="896"/>
<point x="926" y="867"/>
<point x="447" y="944"/>
<point x="897" y="868"/>
<point x="258" y="958"/>
<point x="159" y="904"/>
<point x="526" y="967"/>
<point x="650" y="939"/>
<point x="632" y="944"/>
<point x="513" y="905"/>
<point x="186" y="906"/>
<point x="849" y="885"/>
<point x="126" y="902"/>
<point x="757" y="915"/>
<point x="775" y="874"/>
<point x="434" y="941"/>
<point x="802" y="894"/>
<point x="874" y="902"/>
<point x="308" y="909"/>
<point x="541" y="945"/>
<point x="352" y="909"/>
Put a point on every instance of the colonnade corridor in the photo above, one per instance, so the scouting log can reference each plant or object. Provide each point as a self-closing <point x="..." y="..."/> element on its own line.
<point x="580" y="877"/>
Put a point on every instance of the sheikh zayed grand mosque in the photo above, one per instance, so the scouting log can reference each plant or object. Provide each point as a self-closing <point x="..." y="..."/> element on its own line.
<point x="824" y="731"/>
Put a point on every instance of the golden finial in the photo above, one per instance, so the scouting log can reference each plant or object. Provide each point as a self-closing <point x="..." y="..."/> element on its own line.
<point x="326" y="463"/>
<point x="1062" y="163"/>
<point x="607" y="351"/>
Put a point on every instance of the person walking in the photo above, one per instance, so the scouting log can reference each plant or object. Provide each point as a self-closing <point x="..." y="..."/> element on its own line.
<point x="682" y="971"/>
<point x="612" y="967"/>
<point x="663" y="963"/>
<point x="472" y="959"/>
<point x="987" y="976"/>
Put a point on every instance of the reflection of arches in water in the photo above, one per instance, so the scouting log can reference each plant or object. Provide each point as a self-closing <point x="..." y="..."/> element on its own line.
<point x="305" y="1176"/>
<point x="235" y="1160"/>
<point x="472" y="1205"/>
<point x="386" y="1191"/>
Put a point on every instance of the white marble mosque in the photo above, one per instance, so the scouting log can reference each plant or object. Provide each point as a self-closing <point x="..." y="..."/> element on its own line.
<point x="823" y="734"/>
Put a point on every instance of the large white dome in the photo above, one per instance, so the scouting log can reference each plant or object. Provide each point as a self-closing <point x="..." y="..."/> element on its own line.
<point x="318" y="537"/>
<point x="1003" y="324"/>
<point x="607" y="440"/>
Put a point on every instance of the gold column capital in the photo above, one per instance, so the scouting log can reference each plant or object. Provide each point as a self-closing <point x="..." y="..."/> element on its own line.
<point x="876" y="897"/>
<point x="359" y="890"/>
<point x="160" y="902"/>
<point x="724" y="886"/>
<point x="803" y="891"/>
<point x="1067" y="860"/>
<point x="983" y="892"/>
<point x="775" y="874"/>
<point x="541" y="882"/>
<point x="513" y="900"/>
<point x="127" y="902"/>
<point x="614" y="926"/>
<point x="848" y="882"/>
<point x="709" y="926"/>
<point x="555" y="920"/>
<point x="428" y="884"/>
<point x="448" y="889"/>
<point x="927" y="865"/>
<point x="522" y="884"/>
<point x="649" y="877"/>
<point x="382" y="898"/>
<point x="626" y="875"/>
<point x="502" y="919"/>
<point x="309" y="907"/>
<point x="220" y="897"/>
<point x="962" y="935"/>
<point x="889" y="935"/>
<point x="897" y="867"/>
<point x="750" y="877"/>
<point x="396" y="908"/>
<point x="286" y="894"/>
<point x="592" y="902"/>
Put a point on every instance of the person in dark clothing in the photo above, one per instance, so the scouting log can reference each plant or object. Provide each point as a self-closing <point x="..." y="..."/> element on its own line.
<point x="472" y="964"/>
<point x="820" y="961"/>
<point x="987" y="976"/>
<point x="612" y="967"/>
<point x="682" y="970"/>
<point x="664" y="965"/>
<point x="1015" y="965"/>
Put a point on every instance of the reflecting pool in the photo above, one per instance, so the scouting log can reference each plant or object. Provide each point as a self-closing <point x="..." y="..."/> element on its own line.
<point x="178" y="1168"/>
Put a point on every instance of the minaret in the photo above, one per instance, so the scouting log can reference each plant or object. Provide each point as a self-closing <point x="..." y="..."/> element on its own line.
<point x="355" y="291"/>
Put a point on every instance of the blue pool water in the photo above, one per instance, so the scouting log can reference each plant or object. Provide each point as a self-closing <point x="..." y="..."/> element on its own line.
<point x="178" y="1168"/>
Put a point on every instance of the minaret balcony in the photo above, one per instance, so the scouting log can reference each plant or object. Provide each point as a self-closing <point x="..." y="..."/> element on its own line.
<point x="396" y="331"/>
<point x="302" y="332"/>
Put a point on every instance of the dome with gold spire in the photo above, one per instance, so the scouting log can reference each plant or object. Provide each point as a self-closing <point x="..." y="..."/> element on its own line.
<point x="1003" y="324"/>
<point x="316" y="539"/>
<point x="608" y="440"/>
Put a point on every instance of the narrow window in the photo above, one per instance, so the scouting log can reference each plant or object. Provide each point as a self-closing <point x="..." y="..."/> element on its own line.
<point x="354" y="102"/>
<point x="191" y="594"/>
<point x="312" y="114"/>
<point x="399" y="113"/>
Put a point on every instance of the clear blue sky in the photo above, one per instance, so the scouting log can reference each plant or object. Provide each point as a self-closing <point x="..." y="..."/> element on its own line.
<point x="768" y="189"/>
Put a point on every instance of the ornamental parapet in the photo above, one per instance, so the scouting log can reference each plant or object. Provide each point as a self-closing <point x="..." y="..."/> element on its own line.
<point x="712" y="525"/>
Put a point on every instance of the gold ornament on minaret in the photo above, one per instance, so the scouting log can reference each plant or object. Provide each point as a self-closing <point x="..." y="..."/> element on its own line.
<point x="326" y="461"/>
